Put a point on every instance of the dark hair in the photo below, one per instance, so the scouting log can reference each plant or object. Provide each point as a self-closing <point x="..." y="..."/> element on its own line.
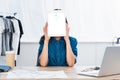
<point x="66" y="20"/>
<point x="42" y="39"/>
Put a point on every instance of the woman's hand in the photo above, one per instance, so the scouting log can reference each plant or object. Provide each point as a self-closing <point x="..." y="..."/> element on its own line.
<point x="69" y="53"/>
<point x="45" y="29"/>
<point x="44" y="54"/>
<point x="67" y="33"/>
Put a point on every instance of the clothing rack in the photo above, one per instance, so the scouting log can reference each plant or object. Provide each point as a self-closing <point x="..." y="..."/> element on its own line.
<point x="8" y="13"/>
<point x="4" y="14"/>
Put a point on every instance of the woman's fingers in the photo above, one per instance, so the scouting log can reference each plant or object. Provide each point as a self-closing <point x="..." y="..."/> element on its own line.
<point x="67" y="29"/>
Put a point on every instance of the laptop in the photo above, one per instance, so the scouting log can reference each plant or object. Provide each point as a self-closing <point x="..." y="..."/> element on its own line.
<point x="110" y="64"/>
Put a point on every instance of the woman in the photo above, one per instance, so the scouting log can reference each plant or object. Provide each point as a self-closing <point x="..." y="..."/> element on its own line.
<point x="57" y="51"/>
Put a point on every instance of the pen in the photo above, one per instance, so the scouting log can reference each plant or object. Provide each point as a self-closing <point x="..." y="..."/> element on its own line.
<point x="90" y="69"/>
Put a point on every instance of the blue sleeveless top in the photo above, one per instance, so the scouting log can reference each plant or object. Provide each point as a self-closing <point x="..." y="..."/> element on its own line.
<point x="57" y="51"/>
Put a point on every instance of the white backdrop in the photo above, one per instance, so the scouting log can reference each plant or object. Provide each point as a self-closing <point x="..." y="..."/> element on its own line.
<point x="89" y="20"/>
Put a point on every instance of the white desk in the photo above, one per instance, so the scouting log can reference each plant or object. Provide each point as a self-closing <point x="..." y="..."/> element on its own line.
<point x="69" y="71"/>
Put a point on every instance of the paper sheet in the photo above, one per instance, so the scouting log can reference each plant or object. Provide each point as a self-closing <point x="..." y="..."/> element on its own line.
<point x="56" y="24"/>
<point x="36" y="74"/>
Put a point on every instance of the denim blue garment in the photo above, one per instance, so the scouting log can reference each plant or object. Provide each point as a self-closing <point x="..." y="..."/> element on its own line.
<point x="57" y="51"/>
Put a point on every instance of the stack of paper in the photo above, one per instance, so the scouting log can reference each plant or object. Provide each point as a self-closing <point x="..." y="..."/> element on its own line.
<point x="35" y="74"/>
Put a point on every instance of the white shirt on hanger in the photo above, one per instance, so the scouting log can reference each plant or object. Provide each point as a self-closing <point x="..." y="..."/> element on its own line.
<point x="16" y="37"/>
<point x="1" y="31"/>
<point x="2" y="58"/>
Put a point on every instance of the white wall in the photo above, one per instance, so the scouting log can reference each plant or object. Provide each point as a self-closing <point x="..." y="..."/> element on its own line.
<point x="89" y="20"/>
<point x="28" y="54"/>
<point x="89" y="53"/>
